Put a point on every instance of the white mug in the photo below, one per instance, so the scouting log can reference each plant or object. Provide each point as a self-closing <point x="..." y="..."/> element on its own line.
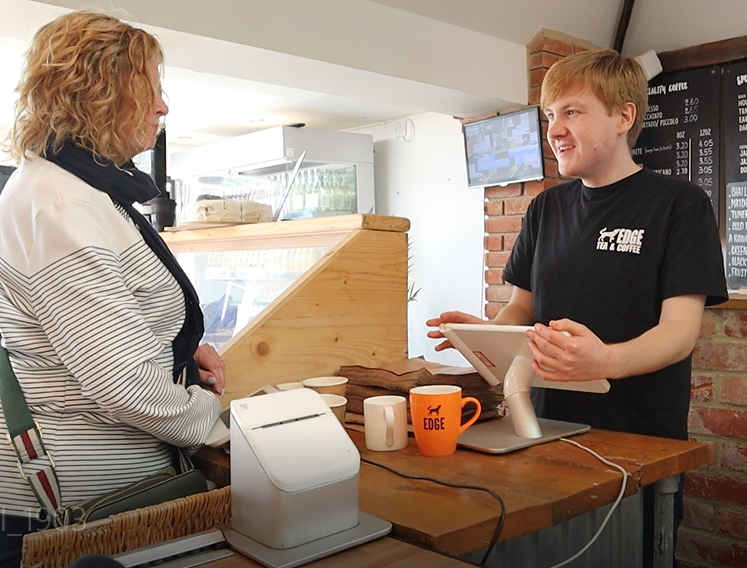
<point x="385" y="420"/>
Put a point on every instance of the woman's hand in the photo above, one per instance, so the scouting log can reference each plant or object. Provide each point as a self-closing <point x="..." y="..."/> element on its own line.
<point x="449" y="317"/>
<point x="211" y="367"/>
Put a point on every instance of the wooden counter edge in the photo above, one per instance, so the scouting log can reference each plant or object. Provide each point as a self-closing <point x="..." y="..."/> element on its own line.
<point x="662" y="458"/>
<point x="215" y="464"/>
<point x="736" y="301"/>
<point x="338" y="223"/>
<point x="386" y="551"/>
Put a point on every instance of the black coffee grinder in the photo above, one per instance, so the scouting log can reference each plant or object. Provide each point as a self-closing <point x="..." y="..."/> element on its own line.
<point x="162" y="208"/>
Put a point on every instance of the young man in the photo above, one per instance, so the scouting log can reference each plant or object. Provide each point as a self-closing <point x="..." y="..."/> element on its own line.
<point x="621" y="258"/>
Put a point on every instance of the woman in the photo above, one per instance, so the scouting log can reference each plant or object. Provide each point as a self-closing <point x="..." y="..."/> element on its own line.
<point x="101" y="325"/>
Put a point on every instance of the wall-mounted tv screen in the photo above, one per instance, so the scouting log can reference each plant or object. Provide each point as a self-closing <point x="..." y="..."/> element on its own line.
<point x="504" y="149"/>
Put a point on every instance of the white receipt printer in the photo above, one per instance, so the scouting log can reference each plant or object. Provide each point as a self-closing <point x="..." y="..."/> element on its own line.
<point x="294" y="470"/>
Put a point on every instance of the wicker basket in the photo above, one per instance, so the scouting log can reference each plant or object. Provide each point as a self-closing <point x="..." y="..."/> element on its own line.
<point x="57" y="548"/>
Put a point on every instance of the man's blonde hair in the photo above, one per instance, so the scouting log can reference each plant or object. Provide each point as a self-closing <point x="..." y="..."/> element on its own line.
<point x="615" y="79"/>
<point x="85" y="80"/>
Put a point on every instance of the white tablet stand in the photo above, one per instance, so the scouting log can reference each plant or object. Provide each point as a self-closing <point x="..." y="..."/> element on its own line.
<point x="501" y="354"/>
<point x="523" y="428"/>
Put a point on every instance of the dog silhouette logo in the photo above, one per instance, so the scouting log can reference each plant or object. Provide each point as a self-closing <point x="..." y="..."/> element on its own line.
<point x="434" y="410"/>
<point x="605" y="234"/>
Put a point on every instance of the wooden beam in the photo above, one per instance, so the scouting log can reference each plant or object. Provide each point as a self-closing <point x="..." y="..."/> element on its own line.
<point x="705" y="55"/>
<point x="622" y="25"/>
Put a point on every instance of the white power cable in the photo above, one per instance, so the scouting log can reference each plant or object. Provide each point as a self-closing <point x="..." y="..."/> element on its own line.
<point x="612" y="508"/>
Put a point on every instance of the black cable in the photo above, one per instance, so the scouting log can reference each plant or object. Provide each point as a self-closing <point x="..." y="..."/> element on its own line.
<point x="501" y="521"/>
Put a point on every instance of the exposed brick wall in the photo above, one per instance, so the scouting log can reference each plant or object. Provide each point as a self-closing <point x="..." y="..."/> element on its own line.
<point x="505" y="206"/>
<point x="714" y="530"/>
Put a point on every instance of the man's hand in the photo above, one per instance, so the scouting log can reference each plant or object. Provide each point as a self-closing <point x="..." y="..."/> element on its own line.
<point x="449" y="317"/>
<point x="567" y="351"/>
<point x="211" y="367"/>
<point x="582" y="356"/>
<point x="517" y="312"/>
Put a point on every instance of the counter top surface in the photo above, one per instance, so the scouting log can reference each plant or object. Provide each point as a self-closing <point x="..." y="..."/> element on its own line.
<point x="383" y="553"/>
<point x="541" y="486"/>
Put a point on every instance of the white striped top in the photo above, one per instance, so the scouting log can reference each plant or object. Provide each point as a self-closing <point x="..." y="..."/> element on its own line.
<point x="88" y="314"/>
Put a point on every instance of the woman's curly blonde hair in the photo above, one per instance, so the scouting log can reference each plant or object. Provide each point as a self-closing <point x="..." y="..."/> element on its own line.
<point x="85" y="80"/>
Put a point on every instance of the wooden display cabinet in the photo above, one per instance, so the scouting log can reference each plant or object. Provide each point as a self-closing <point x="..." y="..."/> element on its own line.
<point x="285" y="301"/>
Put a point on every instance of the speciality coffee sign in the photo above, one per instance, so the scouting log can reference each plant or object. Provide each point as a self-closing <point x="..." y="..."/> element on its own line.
<point x="680" y="135"/>
<point x="734" y="120"/>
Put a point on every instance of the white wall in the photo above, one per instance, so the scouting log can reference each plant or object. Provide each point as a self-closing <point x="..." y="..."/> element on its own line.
<point x="425" y="180"/>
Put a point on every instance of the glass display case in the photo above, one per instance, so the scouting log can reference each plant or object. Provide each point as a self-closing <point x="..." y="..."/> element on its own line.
<point x="234" y="286"/>
<point x="318" y="190"/>
<point x="285" y="301"/>
<point x="307" y="172"/>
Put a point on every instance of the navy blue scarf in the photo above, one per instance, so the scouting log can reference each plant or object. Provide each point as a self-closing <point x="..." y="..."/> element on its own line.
<point x="126" y="185"/>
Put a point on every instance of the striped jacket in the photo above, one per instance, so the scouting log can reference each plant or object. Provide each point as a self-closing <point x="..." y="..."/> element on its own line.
<point x="88" y="314"/>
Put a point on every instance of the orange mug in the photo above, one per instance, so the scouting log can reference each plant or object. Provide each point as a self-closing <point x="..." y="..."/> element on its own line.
<point x="436" y="412"/>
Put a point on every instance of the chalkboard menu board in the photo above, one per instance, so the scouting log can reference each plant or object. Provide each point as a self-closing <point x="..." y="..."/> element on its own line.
<point x="734" y="120"/>
<point x="680" y="135"/>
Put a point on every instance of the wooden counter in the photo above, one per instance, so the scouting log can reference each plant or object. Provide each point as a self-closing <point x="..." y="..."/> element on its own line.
<point x="383" y="553"/>
<point x="541" y="486"/>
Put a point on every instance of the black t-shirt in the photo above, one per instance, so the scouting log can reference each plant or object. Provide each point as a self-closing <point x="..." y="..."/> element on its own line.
<point x="607" y="258"/>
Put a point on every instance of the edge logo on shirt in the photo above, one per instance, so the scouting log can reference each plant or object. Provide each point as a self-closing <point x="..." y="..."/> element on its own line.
<point x="621" y="240"/>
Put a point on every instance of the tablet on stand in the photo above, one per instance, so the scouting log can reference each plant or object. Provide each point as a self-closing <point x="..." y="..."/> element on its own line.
<point x="496" y="352"/>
